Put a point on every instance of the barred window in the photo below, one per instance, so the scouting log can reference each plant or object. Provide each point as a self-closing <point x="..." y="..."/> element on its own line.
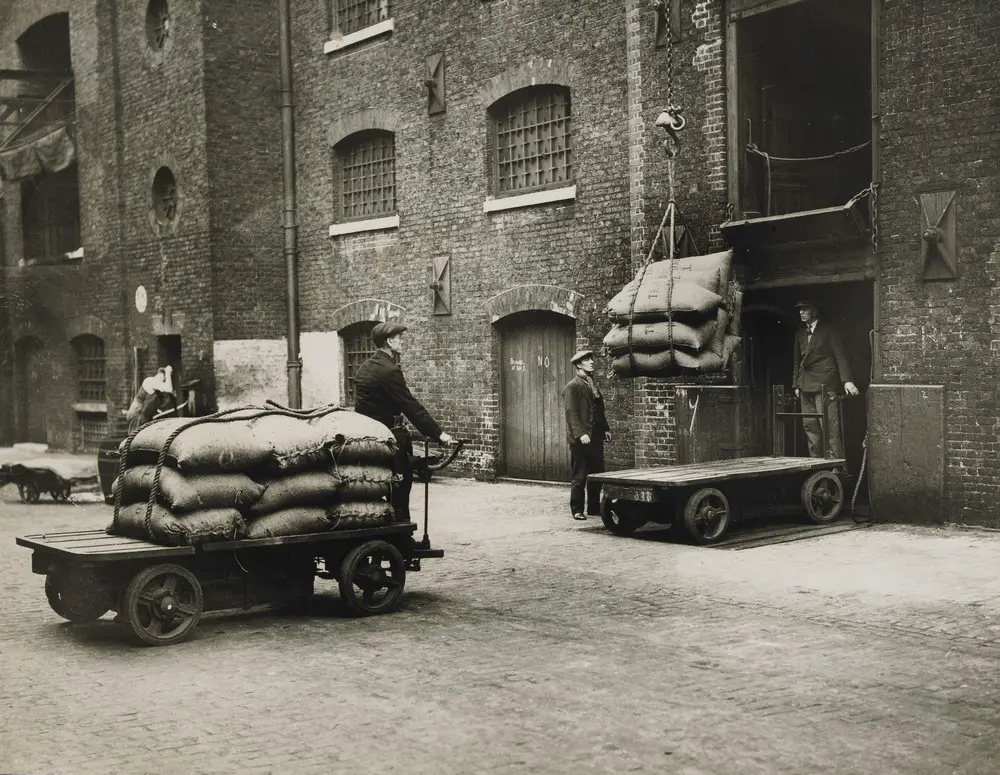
<point x="367" y="166"/>
<point x="358" y="348"/>
<point x="531" y="140"/>
<point x="354" y="15"/>
<point x="90" y="380"/>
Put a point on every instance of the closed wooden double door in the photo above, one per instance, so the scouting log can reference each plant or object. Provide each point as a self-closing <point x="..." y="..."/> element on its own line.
<point x="535" y="352"/>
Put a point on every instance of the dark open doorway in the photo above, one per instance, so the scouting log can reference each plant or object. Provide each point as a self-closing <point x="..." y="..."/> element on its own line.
<point x="770" y="322"/>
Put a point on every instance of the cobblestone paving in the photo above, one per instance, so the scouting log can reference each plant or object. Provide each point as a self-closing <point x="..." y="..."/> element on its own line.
<point x="537" y="645"/>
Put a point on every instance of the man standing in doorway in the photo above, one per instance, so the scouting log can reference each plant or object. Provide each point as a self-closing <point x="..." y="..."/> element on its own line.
<point x="819" y="367"/>
<point x="383" y="395"/>
<point x="587" y="430"/>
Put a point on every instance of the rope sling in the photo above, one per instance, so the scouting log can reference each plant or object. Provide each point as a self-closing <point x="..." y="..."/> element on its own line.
<point x="675" y="124"/>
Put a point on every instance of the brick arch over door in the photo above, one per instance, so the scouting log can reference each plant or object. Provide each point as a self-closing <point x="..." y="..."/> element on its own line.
<point x="523" y="298"/>
<point x="87" y="324"/>
<point x="535" y="72"/>
<point x="362" y="310"/>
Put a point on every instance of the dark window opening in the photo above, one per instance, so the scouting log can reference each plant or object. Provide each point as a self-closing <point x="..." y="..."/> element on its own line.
<point x="91" y="382"/>
<point x="804" y="93"/>
<point x="157" y="24"/>
<point x="358" y="347"/>
<point x="354" y="15"/>
<point x="366" y="165"/>
<point x="165" y="196"/>
<point x="531" y="139"/>
<point x="50" y="214"/>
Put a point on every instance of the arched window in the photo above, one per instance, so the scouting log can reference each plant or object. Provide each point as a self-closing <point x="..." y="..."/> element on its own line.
<point x="91" y="383"/>
<point x="366" y="169"/>
<point x="358" y="347"/>
<point x="531" y="140"/>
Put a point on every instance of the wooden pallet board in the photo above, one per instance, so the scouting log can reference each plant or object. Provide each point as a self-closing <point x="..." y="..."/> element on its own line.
<point x="716" y="471"/>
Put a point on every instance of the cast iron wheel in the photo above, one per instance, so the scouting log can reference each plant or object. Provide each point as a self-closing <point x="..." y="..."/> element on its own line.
<point x="706" y="515"/>
<point x="162" y="604"/>
<point x="372" y="577"/>
<point x="620" y="516"/>
<point x="61" y="493"/>
<point x="823" y="497"/>
<point x="77" y="596"/>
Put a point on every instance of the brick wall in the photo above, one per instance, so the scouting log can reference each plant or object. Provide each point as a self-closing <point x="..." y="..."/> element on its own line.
<point x="441" y="186"/>
<point x="939" y="117"/>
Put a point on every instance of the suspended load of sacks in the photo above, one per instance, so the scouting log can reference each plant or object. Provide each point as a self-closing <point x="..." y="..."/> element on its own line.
<point x="676" y="317"/>
<point x="254" y="472"/>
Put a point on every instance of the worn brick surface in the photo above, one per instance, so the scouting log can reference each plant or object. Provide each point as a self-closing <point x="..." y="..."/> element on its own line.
<point x="538" y="644"/>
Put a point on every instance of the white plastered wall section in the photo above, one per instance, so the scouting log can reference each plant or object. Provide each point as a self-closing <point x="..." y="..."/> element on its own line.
<point x="251" y="371"/>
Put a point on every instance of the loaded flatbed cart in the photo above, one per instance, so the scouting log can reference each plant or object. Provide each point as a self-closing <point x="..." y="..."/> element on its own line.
<point x="160" y="592"/>
<point x="702" y="498"/>
<point x="33" y="480"/>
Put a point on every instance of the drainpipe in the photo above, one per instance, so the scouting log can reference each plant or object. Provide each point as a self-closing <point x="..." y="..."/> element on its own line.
<point x="288" y="225"/>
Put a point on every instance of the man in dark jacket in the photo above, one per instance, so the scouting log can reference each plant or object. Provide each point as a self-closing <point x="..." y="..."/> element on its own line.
<point x="382" y="394"/>
<point x="820" y="366"/>
<point x="587" y="430"/>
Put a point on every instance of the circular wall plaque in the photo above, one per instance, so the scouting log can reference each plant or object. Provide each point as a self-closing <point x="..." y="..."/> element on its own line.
<point x="140" y="298"/>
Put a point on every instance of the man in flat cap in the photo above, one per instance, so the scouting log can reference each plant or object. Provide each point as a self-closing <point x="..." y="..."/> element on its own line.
<point x="382" y="394"/>
<point x="819" y="367"/>
<point x="587" y="430"/>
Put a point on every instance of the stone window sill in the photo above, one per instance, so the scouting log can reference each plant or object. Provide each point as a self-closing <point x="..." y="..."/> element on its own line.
<point x="90" y="407"/>
<point x="360" y="36"/>
<point x="372" y="224"/>
<point x="565" y="194"/>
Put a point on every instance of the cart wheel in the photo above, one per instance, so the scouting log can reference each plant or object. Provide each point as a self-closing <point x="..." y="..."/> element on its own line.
<point x="61" y="494"/>
<point x="706" y="515"/>
<point x="28" y="493"/>
<point x="619" y="516"/>
<point x="377" y="571"/>
<point x="78" y="596"/>
<point x="823" y="497"/>
<point x="162" y="604"/>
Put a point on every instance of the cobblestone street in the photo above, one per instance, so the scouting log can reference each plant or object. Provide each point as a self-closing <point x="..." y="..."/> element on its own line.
<point x="538" y="644"/>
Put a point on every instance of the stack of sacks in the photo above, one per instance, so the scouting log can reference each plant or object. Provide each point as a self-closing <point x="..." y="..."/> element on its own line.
<point x="256" y="472"/>
<point x="691" y="326"/>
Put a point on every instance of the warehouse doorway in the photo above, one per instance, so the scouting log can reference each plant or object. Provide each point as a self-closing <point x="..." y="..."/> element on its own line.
<point x="770" y="322"/>
<point x="535" y="348"/>
<point x="31" y="388"/>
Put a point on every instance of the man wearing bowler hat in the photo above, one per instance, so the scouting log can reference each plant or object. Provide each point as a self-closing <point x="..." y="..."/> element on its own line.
<point x="382" y="394"/>
<point x="819" y="368"/>
<point x="587" y="430"/>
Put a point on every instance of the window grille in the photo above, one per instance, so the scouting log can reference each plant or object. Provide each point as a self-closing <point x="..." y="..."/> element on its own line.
<point x="354" y="15"/>
<point x="90" y="379"/>
<point x="358" y="348"/>
<point x="93" y="429"/>
<point x="368" y="175"/>
<point x="532" y="141"/>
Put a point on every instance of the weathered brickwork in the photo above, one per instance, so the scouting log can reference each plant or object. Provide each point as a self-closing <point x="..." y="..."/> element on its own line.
<point x="939" y="113"/>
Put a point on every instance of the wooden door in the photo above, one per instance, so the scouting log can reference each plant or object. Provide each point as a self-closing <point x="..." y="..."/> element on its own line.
<point x="30" y="391"/>
<point x="535" y="352"/>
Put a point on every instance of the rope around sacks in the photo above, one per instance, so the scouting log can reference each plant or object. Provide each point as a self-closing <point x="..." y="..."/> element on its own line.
<point x="222" y="417"/>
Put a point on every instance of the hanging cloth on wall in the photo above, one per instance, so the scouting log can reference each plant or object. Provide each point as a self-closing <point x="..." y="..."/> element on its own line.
<point x="51" y="152"/>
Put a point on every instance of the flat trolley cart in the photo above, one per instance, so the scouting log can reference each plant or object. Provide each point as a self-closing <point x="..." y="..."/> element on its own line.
<point x="703" y="498"/>
<point x="160" y="592"/>
<point x="33" y="480"/>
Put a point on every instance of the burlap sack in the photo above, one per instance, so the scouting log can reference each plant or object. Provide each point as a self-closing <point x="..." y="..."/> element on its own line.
<point x="657" y="336"/>
<point x="287" y="522"/>
<point x="308" y="488"/>
<point x="356" y="514"/>
<point x="165" y="527"/>
<point x="182" y="494"/>
<point x="294" y="443"/>
<point x="686" y="299"/>
<point x="204" y="448"/>
<point x="669" y="364"/>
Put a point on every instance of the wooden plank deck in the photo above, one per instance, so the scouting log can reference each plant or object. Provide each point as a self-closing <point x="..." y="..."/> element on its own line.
<point x="692" y="474"/>
<point x="98" y="546"/>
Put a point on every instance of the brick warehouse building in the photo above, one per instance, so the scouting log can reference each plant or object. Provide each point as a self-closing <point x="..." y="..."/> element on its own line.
<point x="405" y="109"/>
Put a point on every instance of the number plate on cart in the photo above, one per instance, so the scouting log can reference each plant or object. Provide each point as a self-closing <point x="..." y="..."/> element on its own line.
<point x="636" y="494"/>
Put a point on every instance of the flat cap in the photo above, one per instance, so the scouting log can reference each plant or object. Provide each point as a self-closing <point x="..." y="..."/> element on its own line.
<point x="806" y="304"/>
<point x="580" y="355"/>
<point x="384" y="331"/>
